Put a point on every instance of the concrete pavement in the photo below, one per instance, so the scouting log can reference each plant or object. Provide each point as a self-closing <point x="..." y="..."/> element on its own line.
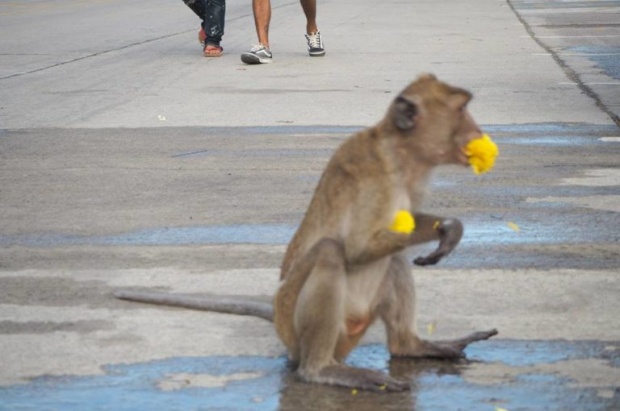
<point x="124" y="66"/>
<point x="128" y="160"/>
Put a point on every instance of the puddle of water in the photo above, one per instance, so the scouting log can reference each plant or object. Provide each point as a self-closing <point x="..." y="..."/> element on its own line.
<point x="571" y="4"/>
<point x="568" y="131"/>
<point x="527" y="353"/>
<point x="487" y="231"/>
<point x="255" y="153"/>
<point x="267" y="384"/>
<point x="283" y="129"/>
<point x="229" y="234"/>
<point x="490" y="231"/>
<point x="605" y="58"/>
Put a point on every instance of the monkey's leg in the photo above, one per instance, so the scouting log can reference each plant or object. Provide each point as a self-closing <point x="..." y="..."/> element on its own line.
<point x="399" y="315"/>
<point x="319" y="322"/>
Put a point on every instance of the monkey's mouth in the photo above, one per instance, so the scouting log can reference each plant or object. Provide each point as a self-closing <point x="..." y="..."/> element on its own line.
<point x="462" y="157"/>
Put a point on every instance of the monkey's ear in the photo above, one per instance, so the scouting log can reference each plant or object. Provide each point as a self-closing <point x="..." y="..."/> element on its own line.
<point x="405" y="112"/>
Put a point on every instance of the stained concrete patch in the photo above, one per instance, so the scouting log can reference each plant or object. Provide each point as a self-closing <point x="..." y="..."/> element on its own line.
<point x="186" y="380"/>
<point x="605" y="203"/>
<point x="605" y="58"/>
<point x="49" y="291"/>
<point x="603" y="177"/>
<point x="597" y="178"/>
<point x="44" y="327"/>
<point x="582" y="373"/>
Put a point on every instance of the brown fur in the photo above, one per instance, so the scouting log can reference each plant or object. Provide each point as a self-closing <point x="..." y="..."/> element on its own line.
<point x="344" y="240"/>
<point x="344" y="268"/>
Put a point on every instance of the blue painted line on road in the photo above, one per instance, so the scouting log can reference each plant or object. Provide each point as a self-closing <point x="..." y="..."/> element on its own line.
<point x="529" y="128"/>
<point x="226" y="234"/>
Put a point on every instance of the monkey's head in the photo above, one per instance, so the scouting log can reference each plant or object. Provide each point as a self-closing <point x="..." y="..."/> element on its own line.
<point x="433" y="121"/>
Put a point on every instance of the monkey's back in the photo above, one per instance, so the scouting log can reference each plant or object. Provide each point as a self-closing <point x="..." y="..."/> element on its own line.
<point x="352" y="184"/>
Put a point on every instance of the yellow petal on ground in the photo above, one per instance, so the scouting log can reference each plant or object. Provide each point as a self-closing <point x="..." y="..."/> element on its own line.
<point x="482" y="153"/>
<point x="513" y="226"/>
<point x="430" y="328"/>
<point x="354" y="392"/>
<point x="436" y="225"/>
<point x="403" y="222"/>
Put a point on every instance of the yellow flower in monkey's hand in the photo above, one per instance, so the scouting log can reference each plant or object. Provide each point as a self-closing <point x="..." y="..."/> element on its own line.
<point x="403" y="222"/>
<point x="481" y="153"/>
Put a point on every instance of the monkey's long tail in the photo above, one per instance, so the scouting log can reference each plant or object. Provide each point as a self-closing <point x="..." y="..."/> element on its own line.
<point x="204" y="303"/>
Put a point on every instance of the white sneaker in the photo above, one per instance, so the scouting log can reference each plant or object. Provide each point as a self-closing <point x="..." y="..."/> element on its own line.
<point x="315" y="44"/>
<point x="258" y="54"/>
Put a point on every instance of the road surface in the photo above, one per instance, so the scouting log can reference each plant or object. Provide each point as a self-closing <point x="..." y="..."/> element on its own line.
<point x="127" y="160"/>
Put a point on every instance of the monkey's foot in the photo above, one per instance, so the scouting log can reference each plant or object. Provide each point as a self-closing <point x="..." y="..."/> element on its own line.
<point x="448" y="350"/>
<point x="355" y="378"/>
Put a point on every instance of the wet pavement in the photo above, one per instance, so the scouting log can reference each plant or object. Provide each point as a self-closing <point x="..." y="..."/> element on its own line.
<point x="554" y="217"/>
<point x="122" y="165"/>
<point x="584" y="39"/>
<point x="541" y="220"/>
<point x="504" y="374"/>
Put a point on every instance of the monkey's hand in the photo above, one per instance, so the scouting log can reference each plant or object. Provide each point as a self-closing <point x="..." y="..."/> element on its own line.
<point x="450" y="232"/>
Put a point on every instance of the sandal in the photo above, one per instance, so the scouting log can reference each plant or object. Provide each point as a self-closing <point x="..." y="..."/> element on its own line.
<point x="212" y="50"/>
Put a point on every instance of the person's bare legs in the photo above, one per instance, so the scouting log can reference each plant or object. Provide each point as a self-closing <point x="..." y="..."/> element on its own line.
<point x="309" y="7"/>
<point x="262" y="18"/>
<point x="313" y="37"/>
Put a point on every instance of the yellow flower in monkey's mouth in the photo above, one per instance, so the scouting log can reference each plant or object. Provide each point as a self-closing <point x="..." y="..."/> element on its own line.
<point x="481" y="153"/>
<point x="403" y="222"/>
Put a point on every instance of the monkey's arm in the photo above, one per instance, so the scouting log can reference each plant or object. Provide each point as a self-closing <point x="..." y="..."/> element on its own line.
<point x="427" y="228"/>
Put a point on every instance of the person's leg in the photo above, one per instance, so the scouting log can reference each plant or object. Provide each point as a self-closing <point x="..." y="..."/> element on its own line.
<point x="313" y="36"/>
<point x="262" y="18"/>
<point x="215" y="12"/>
<point x="197" y="7"/>
<point x="309" y="7"/>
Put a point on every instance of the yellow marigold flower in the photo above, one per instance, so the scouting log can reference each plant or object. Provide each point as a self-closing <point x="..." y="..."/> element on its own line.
<point x="482" y="153"/>
<point x="513" y="226"/>
<point x="403" y="222"/>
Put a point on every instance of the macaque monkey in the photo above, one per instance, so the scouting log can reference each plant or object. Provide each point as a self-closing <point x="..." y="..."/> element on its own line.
<point x="345" y="267"/>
